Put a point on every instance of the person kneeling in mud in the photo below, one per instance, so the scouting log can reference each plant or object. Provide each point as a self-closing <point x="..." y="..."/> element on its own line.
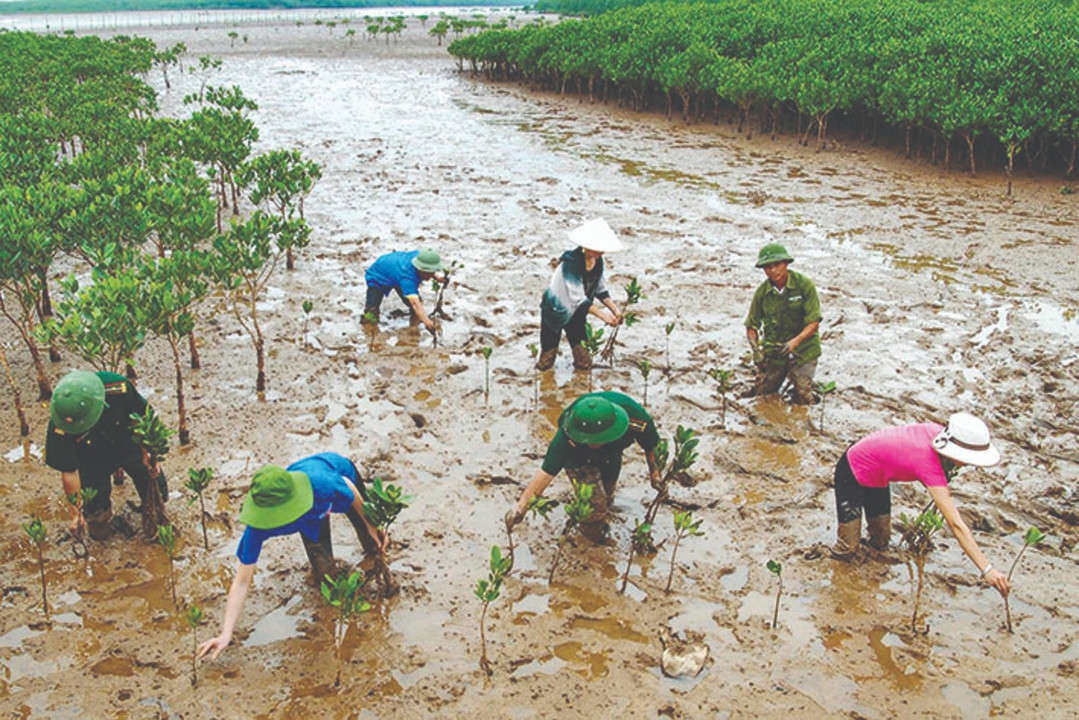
<point x="925" y="452"/>
<point x="592" y="433"/>
<point x="403" y="273"/>
<point x="90" y="437"/>
<point x="298" y="499"/>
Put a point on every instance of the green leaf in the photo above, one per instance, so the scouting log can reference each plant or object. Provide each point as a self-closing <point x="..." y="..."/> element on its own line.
<point x="774" y="567"/>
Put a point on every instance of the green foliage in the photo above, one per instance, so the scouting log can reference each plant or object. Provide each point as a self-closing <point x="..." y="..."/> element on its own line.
<point x="197" y="482"/>
<point x="36" y="530"/>
<point x="486" y="352"/>
<point x="684" y="526"/>
<point x="307" y="306"/>
<point x="151" y="434"/>
<point x="345" y="593"/>
<point x="533" y="349"/>
<point x="917" y="532"/>
<point x="384" y="503"/>
<point x="541" y="506"/>
<point x="645" y="368"/>
<point x="592" y="339"/>
<point x="82" y="497"/>
<point x="166" y="538"/>
<point x="487" y="590"/>
<point x="1033" y="537"/>
<point x="579" y="509"/>
<point x="824" y="388"/>
<point x="775" y="568"/>
<point x="193" y="616"/>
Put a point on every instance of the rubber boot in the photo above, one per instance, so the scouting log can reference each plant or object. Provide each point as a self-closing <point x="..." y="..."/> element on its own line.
<point x="546" y="359"/>
<point x="880" y="531"/>
<point x="99" y="525"/>
<point x="582" y="359"/>
<point x="848" y="535"/>
<point x="320" y="554"/>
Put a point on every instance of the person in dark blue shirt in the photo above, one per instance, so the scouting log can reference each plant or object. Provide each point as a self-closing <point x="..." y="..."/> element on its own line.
<point x="297" y="499"/>
<point x="401" y="272"/>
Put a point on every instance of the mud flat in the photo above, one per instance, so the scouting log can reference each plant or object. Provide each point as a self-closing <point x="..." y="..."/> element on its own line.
<point x="938" y="295"/>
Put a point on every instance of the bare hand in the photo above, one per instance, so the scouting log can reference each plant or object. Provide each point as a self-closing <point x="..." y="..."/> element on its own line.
<point x="381" y="540"/>
<point x="513" y="517"/>
<point x="789" y="347"/>
<point x="216" y="644"/>
<point x="612" y="319"/>
<point x="997" y="579"/>
<point x="78" y="526"/>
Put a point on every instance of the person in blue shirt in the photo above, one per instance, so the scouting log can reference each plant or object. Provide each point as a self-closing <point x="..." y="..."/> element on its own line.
<point x="401" y="272"/>
<point x="298" y="499"/>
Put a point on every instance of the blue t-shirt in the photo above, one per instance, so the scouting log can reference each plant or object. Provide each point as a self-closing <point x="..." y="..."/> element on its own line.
<point x="395" y="270"/>
<point x="327" y="473"/>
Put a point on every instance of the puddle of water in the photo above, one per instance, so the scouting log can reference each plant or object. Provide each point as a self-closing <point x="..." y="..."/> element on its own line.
<point x="27" y="451"/>
<point x="15" y="637"/>
<point x="529" y="606"/>
<point x="611" y="627"/>
<point x="698" y="616"/>
<point x="881" y="641"/>
<point x="736" y="580"/>
<point x="546" y="665"/>
<point x="587" y="664"/>
<point x="279" y="624"/>
<point x="114" y="665"/>
<point x="571" y="596"/>
<point x="422" y="626"/>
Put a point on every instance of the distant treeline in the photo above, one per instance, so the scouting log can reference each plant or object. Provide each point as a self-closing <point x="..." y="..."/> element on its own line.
<point x="73" y="6"/>
<point x="586" y="7"/>
<point x="999" y="76"/>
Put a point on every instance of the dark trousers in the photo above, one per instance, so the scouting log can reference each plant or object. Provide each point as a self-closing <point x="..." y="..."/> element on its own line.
<point x="375" y="295"/>
<point x="320" y="552"/>
<point x="604" y="475"/>
<point x="99" y="475"/>
<point x="550" y="335"/>
<point x="851" y="498"/>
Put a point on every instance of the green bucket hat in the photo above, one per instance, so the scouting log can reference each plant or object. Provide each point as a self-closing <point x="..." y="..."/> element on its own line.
<point x="77" y="402"/>
<point x="427" y="261"/>
<point x="276" y="498"/>
<point x="595" y="420"/>
<point x="773" y="253"/>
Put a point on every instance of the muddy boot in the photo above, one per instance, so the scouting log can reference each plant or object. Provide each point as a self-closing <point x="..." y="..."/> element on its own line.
<point x="99" y="525"/>
<point x="582" y="359"/>
<point x="880" y="531"/>
<point x="320" y="555"/>
<point x="546" y="359"/>
<point x="847" y="537"/>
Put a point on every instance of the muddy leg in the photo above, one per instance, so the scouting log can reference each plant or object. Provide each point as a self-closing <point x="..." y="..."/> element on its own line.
<point x="769" y="377"/>
<point x="319" y="554"/>
<point x="801" y="376"/>
<point x="152" y="490"/>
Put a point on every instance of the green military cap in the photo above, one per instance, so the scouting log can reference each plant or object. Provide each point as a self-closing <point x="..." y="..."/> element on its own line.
<point x="77" y="402"/>
<point x="773" y="253"/>
<point x="595" y="420"/>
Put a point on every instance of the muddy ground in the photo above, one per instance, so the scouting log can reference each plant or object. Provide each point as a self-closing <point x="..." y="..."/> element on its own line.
<point x="938" y="295"/>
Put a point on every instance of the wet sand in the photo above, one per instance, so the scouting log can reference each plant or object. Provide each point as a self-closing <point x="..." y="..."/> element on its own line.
<point x="938" y="295"/>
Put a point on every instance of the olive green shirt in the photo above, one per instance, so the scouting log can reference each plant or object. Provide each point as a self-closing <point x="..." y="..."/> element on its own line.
<point x="109" y="442"/>
<point x="563" y="453"/>
<point x="782" y="315"/>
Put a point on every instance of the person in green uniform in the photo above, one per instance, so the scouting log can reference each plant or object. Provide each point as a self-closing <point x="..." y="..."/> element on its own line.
<point x="786" y="309"/>
<point x="89" y="437"/>
<point x="592" y="433"/>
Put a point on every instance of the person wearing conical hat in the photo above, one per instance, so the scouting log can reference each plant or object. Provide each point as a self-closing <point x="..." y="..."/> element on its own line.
<point x="401" y="272"/>
<point x="88" y="438"/>
<point x="923" y="452"/>
<point x="782" y="325"/>
<point x="592" y="433"/>
<point x="576" y="283"/>
<point x="296" y="499"/>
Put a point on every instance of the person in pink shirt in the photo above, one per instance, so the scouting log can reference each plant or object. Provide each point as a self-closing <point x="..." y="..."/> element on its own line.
<point x="924" y="452"/>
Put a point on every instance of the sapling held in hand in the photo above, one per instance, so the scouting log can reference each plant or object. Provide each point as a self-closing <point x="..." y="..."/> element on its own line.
<point x="684" y="526"/>
<point x="776" y="569"/>
<point x="1033" y="537"/>
<point x="197" y="482"/>
<point x="916" y="537"/>
<point x="634" y="294"/>
<point x="152" y="435"/>
<point x="37" y="532"/>
<point x="194" y="617"/>
<point x="166" y="537"/>
<point x="384" y="503"/>
<point x="685" y="455"/>
<point x="345" y="593"/>
<point x="578" y="510"/>
<point x="640" y="542"/>
<point x="487" y="591"/>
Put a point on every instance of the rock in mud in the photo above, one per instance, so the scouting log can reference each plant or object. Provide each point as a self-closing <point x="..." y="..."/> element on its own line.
<point x="682" y="658"/>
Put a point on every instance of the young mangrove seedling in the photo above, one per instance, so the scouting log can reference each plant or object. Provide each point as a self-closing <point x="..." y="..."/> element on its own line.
<point x="78" y="501"/>
<point x="916" y="537"/>
<point x="440" y="288"/>
<point x="668" y="329"/>
<point x="197" y="482"/>
<point x="194" y="617"/>
<point x="645" y="367"/>
<point x="684" y="526"/>
<point x="685" y="455"/>
<point x="641" y="542"/>
<point x="633" y="296"/>
<point x="777" y="570"/>
<point x="533" y="348"/>
<point x="344" y="592"/>
<point x="37" y="532"/>
<point x="383" y="505"/>
<point x="307" y="306"/>
<point x="166" y="537"/>
<point x="487" y="592"/>
<point x="723" y="385"/>
<point x="824" y="389"/>
<point x="152" y="435"/>
<point x="486" y="352"/>
<point x="24" y="427"/>
<point x="1033" y="537"/>
<point x="578" y="510"/>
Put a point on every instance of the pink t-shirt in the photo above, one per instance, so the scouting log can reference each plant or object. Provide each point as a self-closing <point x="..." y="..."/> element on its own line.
<point x="898" y="454"/>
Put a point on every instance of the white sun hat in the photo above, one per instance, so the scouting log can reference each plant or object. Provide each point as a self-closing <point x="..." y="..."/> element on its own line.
<point x="596" y="235"/>
<point x="966" y="440"/>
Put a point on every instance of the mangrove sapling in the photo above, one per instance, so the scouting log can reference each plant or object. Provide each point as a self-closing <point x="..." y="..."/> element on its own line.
<point x="486" y="352"/>
<point x="197" y="482"/>
<point x="645" y="367"/>
<point x="194" y="617"/>
<point x="440" y="288"/>
<point x="723" y="385"/>
<point x="823" y="389"/>
<point x="777" y="570"/>
<point x="916" y="537"/>
<point x="344" y="592"/>
<point x="166" y="537"/>
<point x="487" y="592"/>
<point x="591" y="343"/>
<point x="533" y="348"/>
<point x="37" y="532"/>
<point x="78" y="501"/>
<point x="1033" y="537"/>
<point x="381" y="507"/>
<point x="684" y="526"/>
<point x="633" y="296"/>
<point x="641" y="542"/>
<point x="152" y="436"/>
<point x="578" y="510"/>
<point x="668" y="329"/>
<point x="685" y="455"/>
<point x="307" y="306"/>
